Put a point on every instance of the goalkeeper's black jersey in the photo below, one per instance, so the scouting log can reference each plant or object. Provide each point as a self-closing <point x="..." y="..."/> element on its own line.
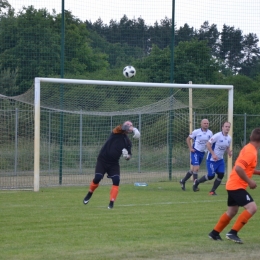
<point x="112" y="149"/>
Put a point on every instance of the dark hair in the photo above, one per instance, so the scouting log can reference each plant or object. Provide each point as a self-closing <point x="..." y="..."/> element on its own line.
<point x="225" y="123"/>
<point x="255" y="135"/>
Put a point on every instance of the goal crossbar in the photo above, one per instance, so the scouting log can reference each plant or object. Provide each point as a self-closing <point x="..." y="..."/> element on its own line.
<point x="130" y="84"/>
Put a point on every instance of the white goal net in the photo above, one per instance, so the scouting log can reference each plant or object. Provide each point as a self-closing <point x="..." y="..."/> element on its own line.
<point x="51" y="135"/>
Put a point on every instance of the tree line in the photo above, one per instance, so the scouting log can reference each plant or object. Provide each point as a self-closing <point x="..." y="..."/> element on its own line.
<point x="233" y="50"/>
<point x="30" y="46"/>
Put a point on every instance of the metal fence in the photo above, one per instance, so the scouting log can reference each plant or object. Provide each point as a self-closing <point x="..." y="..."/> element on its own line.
<point x="16" y="160"/>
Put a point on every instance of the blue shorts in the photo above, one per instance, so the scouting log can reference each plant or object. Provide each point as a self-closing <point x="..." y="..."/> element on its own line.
<point x="196" y="157"/>
<point x="215" y="167"/>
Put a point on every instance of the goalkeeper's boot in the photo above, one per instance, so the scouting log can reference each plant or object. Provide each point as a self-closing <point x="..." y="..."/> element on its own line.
<point x="234" y="238"/>
<point x="111" y="204"/>
<point x="182" y="185"/>
<point x="195" y="186"/>
<point x="215" y="236"/>
<point x="87" y="198"/>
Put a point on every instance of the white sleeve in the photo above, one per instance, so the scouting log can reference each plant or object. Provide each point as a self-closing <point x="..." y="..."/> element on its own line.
<point x="193" y="134"/>
<point x="214" y="138"/>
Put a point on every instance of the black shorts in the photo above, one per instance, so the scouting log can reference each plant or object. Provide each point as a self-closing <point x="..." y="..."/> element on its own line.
<point x="110" y="168"/>
<point x="238" y="197"/>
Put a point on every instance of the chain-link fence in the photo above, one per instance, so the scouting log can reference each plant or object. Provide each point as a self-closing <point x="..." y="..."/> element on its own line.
<point x="79" y="154"/>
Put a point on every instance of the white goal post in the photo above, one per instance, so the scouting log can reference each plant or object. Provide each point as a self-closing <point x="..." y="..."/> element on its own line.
<point x="37" y="106"/>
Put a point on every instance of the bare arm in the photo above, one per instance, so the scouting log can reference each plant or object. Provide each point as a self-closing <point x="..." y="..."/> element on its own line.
<point x="229" y="152"/>
<point x="257" y="172"/>
<point x="189" y="141"/>
<point x="242" y="174"/>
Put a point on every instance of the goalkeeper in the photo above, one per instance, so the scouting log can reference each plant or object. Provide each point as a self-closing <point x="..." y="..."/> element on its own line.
<point x="118" y="144"/>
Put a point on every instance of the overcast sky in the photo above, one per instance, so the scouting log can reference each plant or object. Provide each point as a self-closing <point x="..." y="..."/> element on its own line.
<point x="242" y="14"/>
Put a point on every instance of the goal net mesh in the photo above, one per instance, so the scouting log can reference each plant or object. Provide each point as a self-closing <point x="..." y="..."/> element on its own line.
<point x="76" y="120"/>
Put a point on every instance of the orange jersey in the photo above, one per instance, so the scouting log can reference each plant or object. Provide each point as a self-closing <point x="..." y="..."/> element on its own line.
<point x="247" y="160"/>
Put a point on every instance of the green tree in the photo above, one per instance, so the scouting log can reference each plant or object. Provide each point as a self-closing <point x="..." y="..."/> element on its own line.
<point x="230" y="48"/>
<point x="184" y="33"/>
<point x="8" y="82"/>
<point x="210" y="34"/>
<point x="246" y="94"/>
<point x="242" y="84"/>
<point x="160" y="34"/>
<point x="126" y="31"/>
<point x="119" y="55"/>
<point x="250" y="65"/>
<point x="4" y="4"/>
<point x="193" y="62"/>
<point x="33" y="49"/>
<point x="80" y="57"/>
<point x="30" y="45"/>
<point x="157" y="65"/>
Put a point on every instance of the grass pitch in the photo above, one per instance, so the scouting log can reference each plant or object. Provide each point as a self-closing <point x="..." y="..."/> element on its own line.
<point x="159" y="221"/>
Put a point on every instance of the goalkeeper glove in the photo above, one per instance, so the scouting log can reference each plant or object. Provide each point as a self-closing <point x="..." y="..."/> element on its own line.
<point x="125" y="154"/>
<point x="136" y="133"/>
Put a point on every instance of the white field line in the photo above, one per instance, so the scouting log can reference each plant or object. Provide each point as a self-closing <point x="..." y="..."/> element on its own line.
<point x="133" y="205"/>
<point x="166" y="203"/>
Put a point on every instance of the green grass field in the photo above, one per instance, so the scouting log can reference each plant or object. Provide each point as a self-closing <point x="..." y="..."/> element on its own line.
<point x="159" y="221"/>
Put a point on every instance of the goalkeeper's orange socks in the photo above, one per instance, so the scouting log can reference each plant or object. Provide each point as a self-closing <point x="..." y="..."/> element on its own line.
<point x="222" y="223"/>
<point x="113" y="195"/>
<point x="113" y="192"/>
<point x="93" y="186"/>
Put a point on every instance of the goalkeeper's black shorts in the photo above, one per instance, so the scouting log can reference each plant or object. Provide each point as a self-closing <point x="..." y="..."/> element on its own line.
<point x="110" y="168"/>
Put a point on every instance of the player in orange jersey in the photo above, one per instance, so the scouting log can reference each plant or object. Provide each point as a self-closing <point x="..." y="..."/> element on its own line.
<point x="239" y="179"/>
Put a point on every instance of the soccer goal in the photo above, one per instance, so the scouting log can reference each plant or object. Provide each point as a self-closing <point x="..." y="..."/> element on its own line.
<point x="51" y="134"/>
<point x="73" y="118"/>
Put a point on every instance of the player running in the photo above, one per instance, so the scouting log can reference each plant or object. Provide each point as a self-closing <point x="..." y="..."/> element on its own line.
<point x="218" y="144"/>
<point x="239" y="179"/>
<point x="200" y="138"/>
<point x="116" y="145"/>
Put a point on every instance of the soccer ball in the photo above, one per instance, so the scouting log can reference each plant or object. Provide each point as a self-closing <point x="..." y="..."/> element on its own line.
<point x="129" y="71"/>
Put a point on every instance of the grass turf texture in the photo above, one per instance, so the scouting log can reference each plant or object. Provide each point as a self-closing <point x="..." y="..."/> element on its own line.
<point x="159" y="221"/>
